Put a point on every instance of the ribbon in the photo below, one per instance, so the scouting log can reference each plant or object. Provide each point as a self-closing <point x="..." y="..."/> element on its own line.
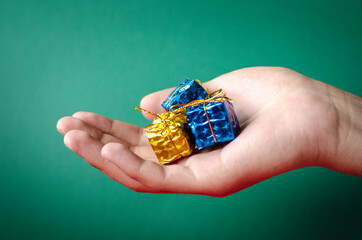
<point x="216" y="96"/>
<point x="145" y="111"/>
<point x="165" y="116"/>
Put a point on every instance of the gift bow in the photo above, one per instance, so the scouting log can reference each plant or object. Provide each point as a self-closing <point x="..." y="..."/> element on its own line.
<point x="167" y="119"/>
<point x="216" y="96"/>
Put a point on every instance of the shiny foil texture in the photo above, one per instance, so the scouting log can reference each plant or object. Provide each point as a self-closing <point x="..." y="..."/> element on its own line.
<point x="185" y="92"/>
<point x="169" y="136"/>
<point x="219" y="116"/>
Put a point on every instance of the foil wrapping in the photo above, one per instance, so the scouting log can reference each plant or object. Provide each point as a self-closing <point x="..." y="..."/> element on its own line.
<point x="187" y="91"/>
<point x="212" y="122"/>
<point x="169" y="136"/>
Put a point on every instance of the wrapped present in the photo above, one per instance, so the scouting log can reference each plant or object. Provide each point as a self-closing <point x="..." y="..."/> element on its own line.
<point x="185" y="92"/>
<point x="169" y="135"/>
<point x="212" y="120"/>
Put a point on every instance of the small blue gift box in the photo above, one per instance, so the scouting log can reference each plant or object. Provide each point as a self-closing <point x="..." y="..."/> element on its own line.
<point x="212" y="122"/>
<point x="185" y="92"/>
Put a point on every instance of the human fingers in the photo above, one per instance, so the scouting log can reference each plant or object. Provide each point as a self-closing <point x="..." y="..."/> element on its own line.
<point x="152" y="102"/>
<point x="129" y="133"/>
<point x="89" y="149"/>
<point x="66" y="124"/>
<point x="172" y="178"/>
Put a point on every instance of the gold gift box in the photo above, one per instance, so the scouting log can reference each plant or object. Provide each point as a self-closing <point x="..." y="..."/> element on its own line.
<point x="168" y="135"/>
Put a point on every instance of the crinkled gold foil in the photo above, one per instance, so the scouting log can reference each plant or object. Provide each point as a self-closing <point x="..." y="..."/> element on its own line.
<point x="168" y="136"/>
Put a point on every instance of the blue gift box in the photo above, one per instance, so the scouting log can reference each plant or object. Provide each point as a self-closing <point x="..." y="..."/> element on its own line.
<point x="212" y="122"/>
<point x="185" y="92"/>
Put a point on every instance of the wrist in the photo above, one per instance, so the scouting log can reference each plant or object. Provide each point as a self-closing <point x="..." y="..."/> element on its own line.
<point x="344" y="154"/>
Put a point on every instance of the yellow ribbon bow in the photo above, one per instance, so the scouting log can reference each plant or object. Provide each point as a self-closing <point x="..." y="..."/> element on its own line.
<point x="167" y="136"/>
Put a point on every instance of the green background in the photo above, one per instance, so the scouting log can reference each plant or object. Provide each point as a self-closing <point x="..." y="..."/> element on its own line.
<point x="59" y="57"/>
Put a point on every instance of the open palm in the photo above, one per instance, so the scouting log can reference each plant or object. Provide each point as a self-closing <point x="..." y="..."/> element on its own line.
<point x="283" y="115"/>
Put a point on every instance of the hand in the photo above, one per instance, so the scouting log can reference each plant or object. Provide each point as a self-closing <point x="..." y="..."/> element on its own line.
<point x="289" y="121"/>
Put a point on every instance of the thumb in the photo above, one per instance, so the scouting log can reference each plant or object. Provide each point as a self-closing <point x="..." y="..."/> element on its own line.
<point x="152" y="102"/>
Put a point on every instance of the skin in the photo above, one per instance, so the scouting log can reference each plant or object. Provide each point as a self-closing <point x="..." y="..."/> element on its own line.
<point x="289" y="121"/>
